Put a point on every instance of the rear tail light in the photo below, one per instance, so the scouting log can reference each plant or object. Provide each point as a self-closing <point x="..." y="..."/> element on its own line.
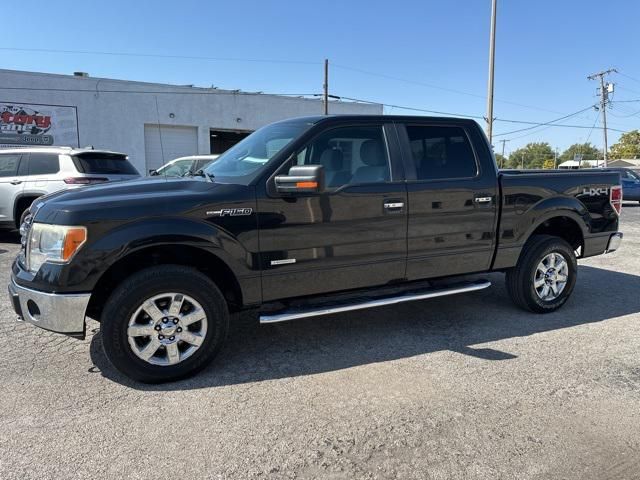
<point x="615" y="198"/>
<point x="84" y="180"/>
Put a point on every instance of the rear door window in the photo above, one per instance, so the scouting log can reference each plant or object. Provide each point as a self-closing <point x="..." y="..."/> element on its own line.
<point x="42" y="164"/>
<point x="103" y="163"/>
<point x="440" y="152"/>
<point x="9" y="165"/>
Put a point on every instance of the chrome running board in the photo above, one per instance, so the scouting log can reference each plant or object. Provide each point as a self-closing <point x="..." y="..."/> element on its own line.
<point x="296" y="314"/>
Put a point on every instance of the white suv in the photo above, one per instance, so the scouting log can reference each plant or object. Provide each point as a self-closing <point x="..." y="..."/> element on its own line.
<point x="28" y="173"/>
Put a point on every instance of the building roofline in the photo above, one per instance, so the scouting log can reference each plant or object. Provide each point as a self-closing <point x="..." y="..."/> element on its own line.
<point x="170" y="88"/>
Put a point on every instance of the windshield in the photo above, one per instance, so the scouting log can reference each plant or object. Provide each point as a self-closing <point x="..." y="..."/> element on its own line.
<point x="176" y="168"/>
<point x="243" y="162"/>
<point x="633" y="175"/>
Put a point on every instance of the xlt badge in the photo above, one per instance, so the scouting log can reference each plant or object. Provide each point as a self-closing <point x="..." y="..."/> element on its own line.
<point x="231" y="212"/>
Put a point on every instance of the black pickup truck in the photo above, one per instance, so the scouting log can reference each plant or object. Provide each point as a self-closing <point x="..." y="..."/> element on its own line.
<point x="304" y="217"/>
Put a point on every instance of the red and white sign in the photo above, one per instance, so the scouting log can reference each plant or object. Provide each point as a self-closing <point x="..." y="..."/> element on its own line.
<point x="30" y="124"/>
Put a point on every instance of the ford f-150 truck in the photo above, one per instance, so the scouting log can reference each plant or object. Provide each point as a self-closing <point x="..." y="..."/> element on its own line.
<point x="304" y="217"/>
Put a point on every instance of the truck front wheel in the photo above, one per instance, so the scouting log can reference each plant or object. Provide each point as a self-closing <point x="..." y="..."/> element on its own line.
<point x="164" y="323"/>
<point x="545" y="275"/>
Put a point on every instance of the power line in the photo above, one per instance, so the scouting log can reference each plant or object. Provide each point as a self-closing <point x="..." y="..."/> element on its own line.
<point x="547" y="123"/>
<point x="535" y="124"/>
<point x="205" y="91"/>
<point x="629" y="90"/>
<point x="592" y="127"/>
<point x="261" y="60"/>
<point x="628" y="76"/>
<point x="437" y="87"/>
<point x="414" y="109"/>
<point x="158" y="55"/>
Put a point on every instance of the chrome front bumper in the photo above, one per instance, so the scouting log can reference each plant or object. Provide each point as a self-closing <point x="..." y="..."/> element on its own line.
<point x="614" y="242"/>
<point x="62" y="313"/>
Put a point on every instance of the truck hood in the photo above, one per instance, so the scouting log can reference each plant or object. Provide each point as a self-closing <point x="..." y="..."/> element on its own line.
<point x="129" y="200"/>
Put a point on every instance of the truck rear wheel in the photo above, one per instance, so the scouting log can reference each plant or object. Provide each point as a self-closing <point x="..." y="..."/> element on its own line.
<point x="164" y="323"/>
<point x="545" y="275"/>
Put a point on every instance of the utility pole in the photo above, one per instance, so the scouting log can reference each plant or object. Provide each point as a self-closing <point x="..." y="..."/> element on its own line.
<point x="555" y="159"/>
<point x="522" y="162"/>
<point x="492" y="49"/>
<point x="325" y="86"/>
<point x="503" y="142"/>
<point x="604" y="101"/>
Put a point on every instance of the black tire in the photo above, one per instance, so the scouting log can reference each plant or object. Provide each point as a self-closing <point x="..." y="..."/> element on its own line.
<point x="22" y="215"/>
<point x="520" y="279"/>
<point x="130" y="295"/>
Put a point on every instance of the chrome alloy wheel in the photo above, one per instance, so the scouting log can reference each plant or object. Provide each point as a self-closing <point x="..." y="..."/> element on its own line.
<point x="167" y="329"/>
<point x="551" y="277"/>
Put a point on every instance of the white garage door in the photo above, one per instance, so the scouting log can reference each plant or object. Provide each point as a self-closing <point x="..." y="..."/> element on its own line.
<point x="166" y="142"/>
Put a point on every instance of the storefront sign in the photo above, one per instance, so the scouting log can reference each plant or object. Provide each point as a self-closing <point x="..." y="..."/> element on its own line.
<point x="37" y="125"/>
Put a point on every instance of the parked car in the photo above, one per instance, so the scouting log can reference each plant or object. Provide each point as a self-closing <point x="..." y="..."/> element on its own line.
<point x="183" y="165"/>
<point x="28" y="173"/>
<point x="630" y="183"/>
<point x="305" y="217"/>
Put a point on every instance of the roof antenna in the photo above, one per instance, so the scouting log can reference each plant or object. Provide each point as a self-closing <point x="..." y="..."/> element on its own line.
<point x="164" y="172"/>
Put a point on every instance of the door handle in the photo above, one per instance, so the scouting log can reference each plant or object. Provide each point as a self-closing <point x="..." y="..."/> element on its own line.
<point x="483" y="199"/>
<point x="393" y="205"/>
<point x="15" y="182"/>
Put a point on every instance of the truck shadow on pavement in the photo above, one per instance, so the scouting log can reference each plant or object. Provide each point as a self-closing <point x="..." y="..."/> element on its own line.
<point x="324" y="344"/>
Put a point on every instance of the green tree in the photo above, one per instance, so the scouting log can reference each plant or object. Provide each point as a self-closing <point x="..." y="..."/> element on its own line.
<point x="628" y="146"/>
<point x="587" y="150"/>
<point x="532" y="155"/>
<point x="500" y="160"/>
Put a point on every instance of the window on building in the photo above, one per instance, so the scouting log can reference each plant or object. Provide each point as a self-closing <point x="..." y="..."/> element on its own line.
<point x="441" y="152"/>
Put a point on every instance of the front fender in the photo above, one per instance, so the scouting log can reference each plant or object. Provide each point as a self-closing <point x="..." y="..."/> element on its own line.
<point x="114" y="244"/>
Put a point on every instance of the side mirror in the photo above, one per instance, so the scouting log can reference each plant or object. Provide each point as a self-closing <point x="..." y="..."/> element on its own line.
<point x="153" y="172"/>
<point x="301" y="179"/>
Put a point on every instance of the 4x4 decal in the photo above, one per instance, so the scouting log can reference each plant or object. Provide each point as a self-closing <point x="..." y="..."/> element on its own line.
<point x="595" y="191"/>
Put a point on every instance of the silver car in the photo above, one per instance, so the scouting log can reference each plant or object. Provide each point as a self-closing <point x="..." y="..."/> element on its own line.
<point x="28" y="173"/>
<point x="183" y="165"/>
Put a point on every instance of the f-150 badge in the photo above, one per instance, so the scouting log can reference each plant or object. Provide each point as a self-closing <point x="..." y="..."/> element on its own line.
<point x="231" y="212"/>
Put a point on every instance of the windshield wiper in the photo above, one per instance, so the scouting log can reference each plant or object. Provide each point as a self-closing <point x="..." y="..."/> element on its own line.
<point x="200" y="173"/>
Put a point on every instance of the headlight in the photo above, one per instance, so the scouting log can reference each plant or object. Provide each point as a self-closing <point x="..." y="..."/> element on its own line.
<point x="53" y="243"/>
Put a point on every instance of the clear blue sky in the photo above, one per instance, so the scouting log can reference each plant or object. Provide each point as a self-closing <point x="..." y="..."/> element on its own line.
<point x="545" y="49"/>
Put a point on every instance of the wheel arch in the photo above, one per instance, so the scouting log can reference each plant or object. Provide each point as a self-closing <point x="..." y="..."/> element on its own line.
<point x="203" y="260"/>
<point x="23" y="201"/>
<point x="563" y="224"/>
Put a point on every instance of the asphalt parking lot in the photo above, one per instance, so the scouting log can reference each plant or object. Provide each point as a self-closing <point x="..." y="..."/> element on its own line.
<point x="457" y="387"/>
